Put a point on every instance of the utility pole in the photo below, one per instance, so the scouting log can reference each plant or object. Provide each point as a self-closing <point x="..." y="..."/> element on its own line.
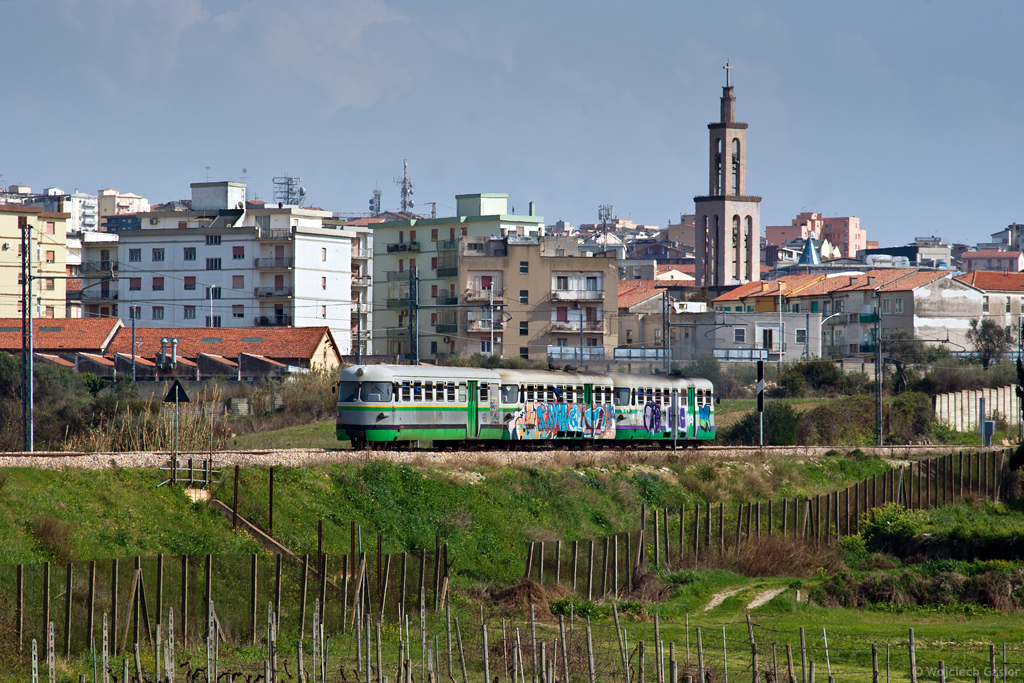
<point x="490" y="308"/>
<point x="414" y="327"/>
<point x="359" y="331"/>
<point x="132" y="310"/>
<point x="878" y="369"/>
<point x="27" y="350"/>
<point x="782" y="337"/>
<point x="664" y="331"/>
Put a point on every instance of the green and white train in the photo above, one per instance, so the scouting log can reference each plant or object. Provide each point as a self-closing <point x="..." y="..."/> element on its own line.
<point x="385" y="404"/>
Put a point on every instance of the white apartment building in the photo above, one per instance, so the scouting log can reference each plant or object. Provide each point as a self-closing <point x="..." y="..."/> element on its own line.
<point x="227" y="262"/>
<point x="429" y="248"/>
<point x="110" y="202"/>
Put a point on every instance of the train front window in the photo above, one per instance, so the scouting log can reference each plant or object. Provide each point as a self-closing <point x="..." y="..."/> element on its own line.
<point x="509" y="393"/>
<point x="375" y="392"/>
<point x="348" y="392"/>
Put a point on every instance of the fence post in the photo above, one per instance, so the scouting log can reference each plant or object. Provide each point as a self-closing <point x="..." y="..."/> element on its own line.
<point x="46" y="608"/>
<point x="753" y="650"/>
<point x="913" y="659"/>
<point x="184" y="601"/>
<point x="67" y="611"/>
<point x="575" y="559"/>
<point x="874" y="663"/>
<point x="803" y="656"/>
<point x="253" y="597"/>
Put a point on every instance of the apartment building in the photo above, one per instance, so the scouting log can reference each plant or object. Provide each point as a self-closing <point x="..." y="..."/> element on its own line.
<point x="843" y="232"/>
<point x="538" y="298"/>
<point x="110" y="202"/>
<point x="225" y="262"/>
<point x="49" y="235"/>
<point x="416" y="264"/>
<point x="362" y="280"/>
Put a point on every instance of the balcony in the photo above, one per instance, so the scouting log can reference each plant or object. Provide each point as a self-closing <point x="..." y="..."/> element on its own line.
<point x="281" y="262"/>
<point x="447" y="245"/>
<point x="99" y="266"/>
<point x="485" y="294"/>
<point x="574" y="326"/>
<point x="576" y="353"/>
<point x="272" y="292"/>
<point x="447" y="272"/>
<point x="629" y="353"/>
<point x="273" y="234"/>
<point x="867" y="318"/>
<point x="577" y="295"/>
<point x="484" y="325"/>
<point x="362" y="280"/>
<point x="868" y="348"/>
<point x="397" y="333"/>
<point x="272" y="321"/>
<point x="362" y="254"/>
<point x="399" y="247"/>
<point x="398" y="303"/>
<point x="446" y="300"/>
<point x="398" y="275"/>
<point x="101" y="295"/>
<point x="446" y="328"/>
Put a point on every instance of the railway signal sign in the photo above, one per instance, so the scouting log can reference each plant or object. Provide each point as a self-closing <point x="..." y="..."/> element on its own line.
<point x="176" y="394"/>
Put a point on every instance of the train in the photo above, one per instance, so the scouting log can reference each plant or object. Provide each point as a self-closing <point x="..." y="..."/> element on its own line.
<point x="387" y="405"/>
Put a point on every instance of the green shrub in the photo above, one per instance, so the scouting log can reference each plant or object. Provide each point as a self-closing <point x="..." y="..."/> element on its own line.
<point x="780" y="427"/>
<point x="890" y="526"/>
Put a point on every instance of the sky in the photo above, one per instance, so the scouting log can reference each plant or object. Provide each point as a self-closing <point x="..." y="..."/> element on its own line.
<point x="907" y="114"/>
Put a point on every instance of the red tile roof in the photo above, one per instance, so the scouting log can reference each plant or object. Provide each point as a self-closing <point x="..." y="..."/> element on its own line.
<point x="60" y="334"/>
<point x="632" y="292"/>
<point x="98" y="359"/>
<point x="56" y="360"/>
<point x="791" y="285"/>
<point x="993" y="281"/>
<point x="281" y="343"/>
<point x="913" y="281"/>
<point x="73" y="284"/>
<point x="991" y="253"/>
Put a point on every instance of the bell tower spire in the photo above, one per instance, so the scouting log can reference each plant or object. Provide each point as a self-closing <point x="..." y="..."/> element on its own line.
<point x="728" y="220"/>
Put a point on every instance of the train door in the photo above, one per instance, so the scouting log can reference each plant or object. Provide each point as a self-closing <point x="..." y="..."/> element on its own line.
<point x="588" y="404"/>
<point x="472" y="421"/>
<point x="673" y="414"/>
<point x="691" y="422"/>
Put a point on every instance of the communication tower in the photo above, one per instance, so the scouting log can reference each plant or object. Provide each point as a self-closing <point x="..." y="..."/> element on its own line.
<point x="375" y="203"/>
<point x="405" y="187"/>
<point x="287" y="190"/>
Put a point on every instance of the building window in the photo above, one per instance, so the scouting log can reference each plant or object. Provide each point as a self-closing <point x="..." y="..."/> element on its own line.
<point x="135" y="312"/>
<point x="412" y="235"/>
<point x="190" y="253"/>
<point x="433" y="344"/>
<point x="559" y="252"/>
<point x="50" y="228"/>
<point x="158" y="254"/>
<point x="182" y="225"/>
<point x="796" y="308"/>
<point x="237" y="253"/>
<point x="524" y="352"/>
<point x="591" y="341"/>
<point x="158" y="284"/>
<point x="827" y="307"/>
<point x="1007" y="304"/>
<point x="215" y="321"/>
<point x="213" y="292"/>
<point x="323" y="311"/>
<point x="213" y="264"/>
<point x="524" y="266"/>
<point x="433" y="262"/>
<point x="48" y="311"/>
<point x="190" y="282"/>
<point x="562" y="282"/>
<point x="158" y="313"/>
<point x="237" y="311"/>
<point x="51" y="256"/>
<point x="984" y="304"/>
<point x="190" y="313"/>
<point x="433" y="290"/>
<point x="524" y="296"/>
<point x="134" y="255"/>
<point x="433" y="235"/>
<point x="591" y="284"/>
<point x="485" y="346"/>
<point x="134" y="284"/>
<point x="212" y="240"/>
<point x="323" y="283"/>
<point x="814" y="307"/>
<point x="898" y="303"/>
<point x="465" y="231"/>
<point x="739" y="335"/>
<point x="561" y="341"/>
<point x="524" y="328"/>
<point x="49" y="284"/>
<point x="885" y="306"/>
<point x="323" y="253"/>
<point x="801" y="336"/>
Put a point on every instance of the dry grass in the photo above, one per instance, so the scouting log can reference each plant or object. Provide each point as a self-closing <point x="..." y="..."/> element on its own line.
<point x="773" y="556"/>
<point x="54" y="536"/>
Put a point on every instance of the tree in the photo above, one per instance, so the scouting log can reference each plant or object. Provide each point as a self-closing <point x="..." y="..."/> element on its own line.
<point x="990" y="341"/>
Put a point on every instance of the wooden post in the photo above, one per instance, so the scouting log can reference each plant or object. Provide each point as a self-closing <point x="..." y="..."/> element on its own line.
<point x="700" y="657"/>
<point x="270" y="505"/>
<point x="67" y="611"/>
<point x="657" y="539"/>
<point x="913" y="659"/>
<point x="558" y="562"/>
<point x="234" y="503"/>
<point x="303" y="583"/>
<point x="757" y="506"/>
<point x="785" y="516"/>
<point x="604" y="567"/>
<point x="803" y="655"/>
<point x="696" y="534"/>
<point x="739" y="523"/>
<point x="540" y="563"/>
<point x="789" y="660"/>
<point x="590" y="572"/>
<point x="278" y="579"/>
<point x="575" y="561"/>
<point x="253" y="595"/>
<point x="629" y="565"/>
<point x="46" y="608"/>
<point x="90" y="618"/>
<point x="874" y="663"/>
<point x="707" y="527"/>
<point x="682" y="532"/>
<point x="960" y="468"/>
<point x="771" y="518"/>
<point x="927" y="483"/>
<point x="590" y="654"/>
<point x="437" y="569"/>
<point x="721" y="531"/>
<point x="208" y="588"/>
<point x="615" y="562"/>
<point x="184" y="601"/>
<point x="992" y="663"/>
<point x="668" y="556"/>
<point x="753" y="649"/>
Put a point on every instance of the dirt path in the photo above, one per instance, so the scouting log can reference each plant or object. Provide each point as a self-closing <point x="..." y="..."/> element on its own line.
<point x="719" y="597"/>
<point x="764" y="597"/>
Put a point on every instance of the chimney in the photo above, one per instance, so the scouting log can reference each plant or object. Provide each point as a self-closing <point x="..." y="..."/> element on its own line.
<point x="163" y="352"/>
<point x="853" y="280"/>
<point x="764" y="286"/>
<point x="532" y="209"/>
<point x="174" y="352"/>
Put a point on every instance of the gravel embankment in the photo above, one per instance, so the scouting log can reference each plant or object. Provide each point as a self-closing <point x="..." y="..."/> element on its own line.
<point x="305" y="457"/>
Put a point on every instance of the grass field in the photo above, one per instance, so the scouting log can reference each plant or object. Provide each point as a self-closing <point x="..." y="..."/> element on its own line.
<point x="315" y="435"/>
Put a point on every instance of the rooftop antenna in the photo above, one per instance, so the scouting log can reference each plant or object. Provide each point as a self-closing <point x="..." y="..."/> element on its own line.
<point x="207" y="174"/>
<point x="405" y="187"/>
<point x="604" y="213"/>
<point x="375" y="202"/>
<point x="288" y="190"/>
<point x="245" y="174"/>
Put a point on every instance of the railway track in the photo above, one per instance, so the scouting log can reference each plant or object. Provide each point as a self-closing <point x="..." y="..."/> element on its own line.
<point x="308" y="457"/>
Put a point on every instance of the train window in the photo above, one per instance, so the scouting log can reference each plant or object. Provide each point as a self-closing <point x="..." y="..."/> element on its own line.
<point x="405" y="393"/>
<point x="449" y="390"/>
<point x="417" y="392"/>
<point x="462" y="393"/>
<point x="348" y="392"/>
<point x="509" y="393"/>
<point x="657" y="395"/>
<point x="622" y="397"/>
<point x="485" y="393"/>
<point x="428" y="392"/>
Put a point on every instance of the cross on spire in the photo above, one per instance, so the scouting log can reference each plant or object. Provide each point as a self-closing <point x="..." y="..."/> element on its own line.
<point x="727" y="70"/>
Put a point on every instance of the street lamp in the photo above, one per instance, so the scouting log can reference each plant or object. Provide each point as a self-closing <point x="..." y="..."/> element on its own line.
<point x="821" y="325"/>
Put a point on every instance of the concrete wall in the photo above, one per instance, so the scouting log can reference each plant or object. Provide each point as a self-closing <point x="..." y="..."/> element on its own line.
<point x="960" y="410"/>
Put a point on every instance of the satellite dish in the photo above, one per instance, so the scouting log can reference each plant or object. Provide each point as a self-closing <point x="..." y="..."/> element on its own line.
<point x="302" y="192"/>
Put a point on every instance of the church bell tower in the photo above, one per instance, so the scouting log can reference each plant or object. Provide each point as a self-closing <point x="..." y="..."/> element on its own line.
<point x="728" y="220"/>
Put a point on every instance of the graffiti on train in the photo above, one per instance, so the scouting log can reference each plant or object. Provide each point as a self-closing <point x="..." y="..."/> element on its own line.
<point x="705" y="419"/>
<point x="537" y="420"/>
<point x="655" y="418"/>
